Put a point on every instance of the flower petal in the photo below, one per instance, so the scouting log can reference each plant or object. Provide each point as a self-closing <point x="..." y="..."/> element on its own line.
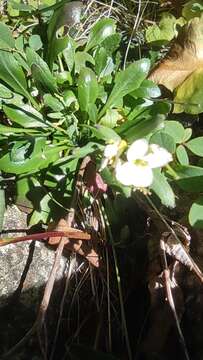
<point x="125" y="173"/>
<point x="137" y="175"/>
<point x="137" y="149"/>
<point x="157" y="156"/>
<point x="111" y="150"/>
<point x="143" y="176"/>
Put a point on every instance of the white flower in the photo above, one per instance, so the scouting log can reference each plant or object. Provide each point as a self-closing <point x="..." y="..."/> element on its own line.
<point x="142" y="158"/>
<point x="112" y="151"/>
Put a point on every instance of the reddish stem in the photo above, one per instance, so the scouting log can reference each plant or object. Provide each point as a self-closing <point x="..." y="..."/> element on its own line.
<point x="79" y="235"/>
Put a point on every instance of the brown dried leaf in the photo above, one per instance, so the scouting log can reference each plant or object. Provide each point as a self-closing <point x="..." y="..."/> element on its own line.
<point x="81" y="247"/>
<point x="184" y="57"/>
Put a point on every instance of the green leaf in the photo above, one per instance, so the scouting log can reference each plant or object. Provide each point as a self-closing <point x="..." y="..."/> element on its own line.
<point x="162" y="189"/>
<point x="42" y="75"/>
<point x="6" y="39"/>
<point x="111" y="118"/>
<point x="69" y="53"/>
<point x="196" y="146"/>
<point x="26" y="116"/>
<point x="100" y="31"/>
<point x="164" y="140"/>
<point x="100" y="60"/>
<point x="189" y="178"/>
<point x="192" y="8"/>
<point x="111" y="43"/>
<point x="5" y="93"/>
<point x="165" y="31"/>
<point x="147" y="89"/>
<point x="35" y="42"/>
<point x="10" y="130"/>
<point x="25" y="157"/>
<point x="81" y="58"/>
<point x="11" y="73"/>
<point x="87" y="88"/>
<point x="175" y="130"/>
<point x="126" y="81"/>
<point x="143" y="128"/>
<point x="189" y="94"/>
<point x="196" y="214"/>
<point x="105" y="133"/>
<point x="65" y="45"/>
<point x="52" y="102"/>
<point x="187" y="135"/>
<point x="23" y="189"/>
<point x="182" y="155"/>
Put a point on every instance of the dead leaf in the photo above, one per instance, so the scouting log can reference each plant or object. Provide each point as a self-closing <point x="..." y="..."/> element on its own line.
<point x="184" y="57"/>
<point x="81" y="247"/>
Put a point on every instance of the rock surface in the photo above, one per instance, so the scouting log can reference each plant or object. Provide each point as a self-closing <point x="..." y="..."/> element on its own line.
<point x="24" y="271"/>
<point x="24" y="266"/>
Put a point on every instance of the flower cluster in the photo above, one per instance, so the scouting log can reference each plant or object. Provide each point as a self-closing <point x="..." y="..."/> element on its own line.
<point x="142" y="157"/>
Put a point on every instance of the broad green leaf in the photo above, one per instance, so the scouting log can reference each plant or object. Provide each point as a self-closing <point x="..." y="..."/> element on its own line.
<point x="164" y="140"/>
<point x="196" y="146"/>
<point x="192" y="8"/>
<point x="162" y="189"/>
<point x="165" y="30"/>
<point x="127" y="81"/>
<point x="189" y="178"/>
<point x="105" y="133"/>
<point x="23" y="186"/>
<point x="70" y="99"/>
<point x="11" y="73"/>
<point x="5" y="93"/>
<point x="111" y="118"/>
<point x="189" y="94"/>
<point x="26" y="116"/>
<point x="85" y="150"/>
<point x="182" y="155"/>
<point x="100" y="60"/>
<point x="87" y="88"/>
<point x="6" y="39"/>
<point x="147" y="89"/>
<point x="65" y="45"/>
<point x="111" y="43"/>
<point x="35" y="42"/>
<point x="52" y="102"/>
<point x="187" y="135"/>
<point x="81" y="58"/>
<point x="143" y="128"/>
<point x="42" y="214"/>
<point x="100" y="31"/>
<point x="175" y="130"/>
<point x="196" y="214"/>
<point x="29" y="157"/>
<point x="40" y="71"/>
<point x="69" y="53"/>
<point x="9" y="130"/>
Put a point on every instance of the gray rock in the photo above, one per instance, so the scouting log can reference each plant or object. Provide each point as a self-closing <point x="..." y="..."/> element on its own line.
<point x="25" y="266"/>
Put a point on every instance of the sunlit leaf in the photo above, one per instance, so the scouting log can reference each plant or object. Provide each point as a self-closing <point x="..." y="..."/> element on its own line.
<point x="162" y="189"/>
<point x="182" y="155"/>
<point x="126" y="81"/>
<point x="196" y="146"/>
<point x="196" y="213"/>
<point x="87" y="88"/>
<point x="100" y="31"/>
